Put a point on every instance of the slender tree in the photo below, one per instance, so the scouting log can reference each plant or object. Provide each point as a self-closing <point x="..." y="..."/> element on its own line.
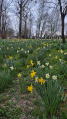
<point x="41" y="19"/>
<point x="63" y="11"/>
<point x="1" y="10"/>
<point x="20" y="5"/>
<point x="4" y="5"/>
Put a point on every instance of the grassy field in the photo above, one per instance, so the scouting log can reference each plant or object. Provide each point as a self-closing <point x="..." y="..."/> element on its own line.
<point x="33" y="79"/>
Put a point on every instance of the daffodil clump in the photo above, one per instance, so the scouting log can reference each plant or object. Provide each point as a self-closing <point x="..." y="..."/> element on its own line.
<point x="47" y="88"/>
<point x="46" y="83"/>
<point x="41" y="80"/>
<point x="36" y="78"/>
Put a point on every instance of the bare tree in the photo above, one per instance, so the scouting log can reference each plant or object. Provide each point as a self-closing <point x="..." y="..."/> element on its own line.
<point x="20" y="5"/>
<point x="4" y="5"/>
<point x="61" y="5"/>
<point x="63" y="12"/>
<point x="1" y="10"/>
<point x="31" y="17"/>
<point x="27" y="22"/>
<point x="53" y="23"/>
<point x="41" y="18"/>
<point x="41" y="15"/>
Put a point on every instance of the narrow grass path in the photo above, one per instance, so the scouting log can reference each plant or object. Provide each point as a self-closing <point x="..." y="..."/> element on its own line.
<point x="16" y="105"/>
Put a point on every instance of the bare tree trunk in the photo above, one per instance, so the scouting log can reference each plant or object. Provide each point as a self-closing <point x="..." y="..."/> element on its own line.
<point x="0" y="19"/>
<point x="63" y="36"/>
<point x="1" y="5"/>
<point x="20" y="24"/>
<point x="63" y="14"/>
<point x="20" y="20"/>
<point x="0" y="24"/>
<point x="25" y="30"/>
<point x="26" y="26"/>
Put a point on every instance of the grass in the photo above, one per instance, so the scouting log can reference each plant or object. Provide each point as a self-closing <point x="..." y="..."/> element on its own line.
<point x="14" y="95"/>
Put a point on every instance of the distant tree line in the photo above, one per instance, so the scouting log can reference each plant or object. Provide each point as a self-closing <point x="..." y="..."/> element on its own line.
<point x="46" y="20"/>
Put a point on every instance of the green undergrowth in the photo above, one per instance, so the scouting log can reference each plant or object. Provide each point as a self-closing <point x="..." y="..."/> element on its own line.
<point x="48" y="57"/>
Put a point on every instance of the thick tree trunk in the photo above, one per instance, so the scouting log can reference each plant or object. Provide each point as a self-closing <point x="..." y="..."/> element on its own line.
<point x="63" y="36"/>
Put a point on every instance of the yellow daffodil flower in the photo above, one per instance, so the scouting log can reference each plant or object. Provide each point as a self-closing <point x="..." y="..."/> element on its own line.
<point x="56" y="57"/>
<point x="30" y="88"/>
<point x="10" y="57"/>
<point x="31" y="62"/>
<point x="42" y="80"/>
<point x="7" y="48"/>
<point x="28" y="66"/>
<point x="19" y="48"/>
<point x="19" y="75"/>
<point x="5" y="56"/>
<point x="32" y="74"/>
